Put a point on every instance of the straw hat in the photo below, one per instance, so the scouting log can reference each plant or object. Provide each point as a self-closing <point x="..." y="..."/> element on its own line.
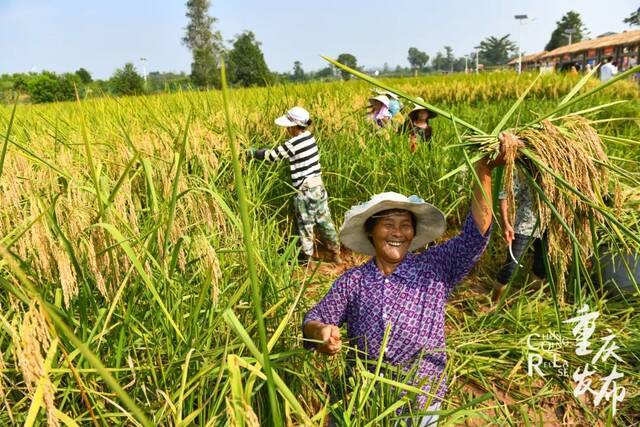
<point x="382" y="99"/>
<point x="430" y="221"/>
<point x="417" y="107"/>
<point x="297" y="116"/>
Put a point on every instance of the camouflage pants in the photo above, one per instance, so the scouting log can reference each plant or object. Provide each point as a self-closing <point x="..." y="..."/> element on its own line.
<point x="312" y="210"/>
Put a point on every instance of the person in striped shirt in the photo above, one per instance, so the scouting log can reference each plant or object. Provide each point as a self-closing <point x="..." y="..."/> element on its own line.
<point x="312" y="209"/>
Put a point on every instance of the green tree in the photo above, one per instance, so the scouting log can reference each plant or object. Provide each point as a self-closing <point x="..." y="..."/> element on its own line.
<point x="204" y="43"/>
<point x="325" y="73"/>
<point x="439" y="62"/>
<point x="43" y="87"/>
<point x="20" y="83"/>
<point x="350" y="61"/>
<point x="449" y="58"/>
<point x="298" y="72"/>
<point x="570" y="21"/>
<point x="68" y="83"/>
<point x="84" y="76"/>
<point x="417" y="58"/>
<point x="459" y="63"/>
<point x="633" y="19"/>
<point x="50" y="87"/>
<point x="126" y="81"/>
<point x="496" y="51"/>
<point x="247" y="64"/>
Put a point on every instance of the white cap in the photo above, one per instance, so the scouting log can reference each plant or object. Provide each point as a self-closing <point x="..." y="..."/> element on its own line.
<point x="297" y="116"/>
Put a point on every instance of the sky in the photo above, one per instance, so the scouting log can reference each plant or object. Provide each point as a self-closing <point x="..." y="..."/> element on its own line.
<point x="100" y="35"/>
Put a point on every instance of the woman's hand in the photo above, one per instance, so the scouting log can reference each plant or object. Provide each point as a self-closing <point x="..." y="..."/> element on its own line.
<point x="509" y="234"/>
<point x="328" y="334"/>
<point x="482" y="198"/>
<point x="509" y="145"/>
<point x="332" y="344"/>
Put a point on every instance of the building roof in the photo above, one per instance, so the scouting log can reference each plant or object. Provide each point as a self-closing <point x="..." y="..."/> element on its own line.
<point x="626" y="37"/>
<point x="528" y="58"/>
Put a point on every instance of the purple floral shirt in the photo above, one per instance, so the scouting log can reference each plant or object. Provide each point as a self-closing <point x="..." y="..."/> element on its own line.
<point x="412" y="299"/>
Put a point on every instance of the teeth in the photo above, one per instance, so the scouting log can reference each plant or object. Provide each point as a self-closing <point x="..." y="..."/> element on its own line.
<point x="396" y="244"/>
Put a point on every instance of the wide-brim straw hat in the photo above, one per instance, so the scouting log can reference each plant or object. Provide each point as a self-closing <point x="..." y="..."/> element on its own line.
<point x="417" y="107"/>
<point x="430" y="221"/>
<point x="381" y="98"/>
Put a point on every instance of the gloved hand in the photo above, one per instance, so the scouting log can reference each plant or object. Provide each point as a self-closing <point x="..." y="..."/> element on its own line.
<point x="255" y="153"/>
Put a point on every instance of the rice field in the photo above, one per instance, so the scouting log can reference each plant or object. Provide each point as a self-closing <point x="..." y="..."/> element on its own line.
<point x="142" y="278"/>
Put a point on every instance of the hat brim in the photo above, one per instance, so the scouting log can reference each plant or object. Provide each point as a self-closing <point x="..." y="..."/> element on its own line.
<point x="432" y="114"/>
<point x="386" y="104"/>
<point x="386" y="93"/>
<point x="284" y="122"/>
<point x="430" y="224"/>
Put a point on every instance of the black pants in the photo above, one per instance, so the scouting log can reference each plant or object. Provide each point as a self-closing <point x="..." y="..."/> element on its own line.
<point x="518" y="247"/>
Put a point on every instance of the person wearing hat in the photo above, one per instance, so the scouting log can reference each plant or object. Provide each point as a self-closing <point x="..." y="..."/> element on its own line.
<point x="401" y="289"/>
<point x="311" y="201"/>
<point x="394" y="102"/>
<point x="417" y="125"/>
<point x="379" y="110"/>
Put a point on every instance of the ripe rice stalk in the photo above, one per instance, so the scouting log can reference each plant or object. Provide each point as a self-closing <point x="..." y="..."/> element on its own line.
<point x="233" y="322"/>
<point x="248" y="244"/>
<point x="5" y="145"/>
<point x="577" y="153"/>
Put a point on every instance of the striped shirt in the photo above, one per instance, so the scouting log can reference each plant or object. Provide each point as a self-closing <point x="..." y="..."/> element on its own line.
<point x="302" y="153"/>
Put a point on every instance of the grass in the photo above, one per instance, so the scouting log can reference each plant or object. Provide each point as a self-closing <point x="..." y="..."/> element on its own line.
<point x="149" y="243"/>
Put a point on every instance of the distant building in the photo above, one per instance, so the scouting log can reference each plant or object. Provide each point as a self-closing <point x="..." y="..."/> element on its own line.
<point x="529" y="62"/>
<point x="622" y="47"/>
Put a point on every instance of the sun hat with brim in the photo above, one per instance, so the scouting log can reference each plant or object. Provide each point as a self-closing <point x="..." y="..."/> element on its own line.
<point x="430" y="221"/>
<point x="386" y="93"/>
<point x="297" y="116"/>
<point x="417" y="107"/>
<point x="380" y="98"/>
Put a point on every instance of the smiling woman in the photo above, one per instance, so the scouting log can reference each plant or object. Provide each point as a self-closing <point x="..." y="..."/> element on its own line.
<point x="391" y="232"/>
<point x="399" y="291"/>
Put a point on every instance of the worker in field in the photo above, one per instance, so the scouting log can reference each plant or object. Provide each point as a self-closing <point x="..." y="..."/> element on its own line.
<point x="402" y="291"/>
<point x="417" y="127"/>
<point x="608" y="70"/>
<point x="394" y="101"/>
<point x="521" y="234"/>
<point x="311" y="200"/>
<point x="379" y="110"/>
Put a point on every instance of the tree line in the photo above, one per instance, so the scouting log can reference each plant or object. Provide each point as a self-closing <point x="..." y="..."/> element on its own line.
<point x="247" y="66"/>
<point x="47" y="86"/>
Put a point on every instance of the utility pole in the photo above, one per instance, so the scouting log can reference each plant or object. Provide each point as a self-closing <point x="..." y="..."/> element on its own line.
<point x="520" y="18"/>
<point x="477" y="54"/>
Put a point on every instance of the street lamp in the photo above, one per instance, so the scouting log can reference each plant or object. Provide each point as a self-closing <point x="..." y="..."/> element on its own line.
<point x="520" y="18"/>
<point x="144" y="69"/>
<point x="569" y="32"/>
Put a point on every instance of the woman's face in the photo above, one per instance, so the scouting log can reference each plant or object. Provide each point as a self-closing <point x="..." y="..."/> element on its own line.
<point x="376" y="105"/>
<point x="423" y="115"/>
<point x="392" y="235"/>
